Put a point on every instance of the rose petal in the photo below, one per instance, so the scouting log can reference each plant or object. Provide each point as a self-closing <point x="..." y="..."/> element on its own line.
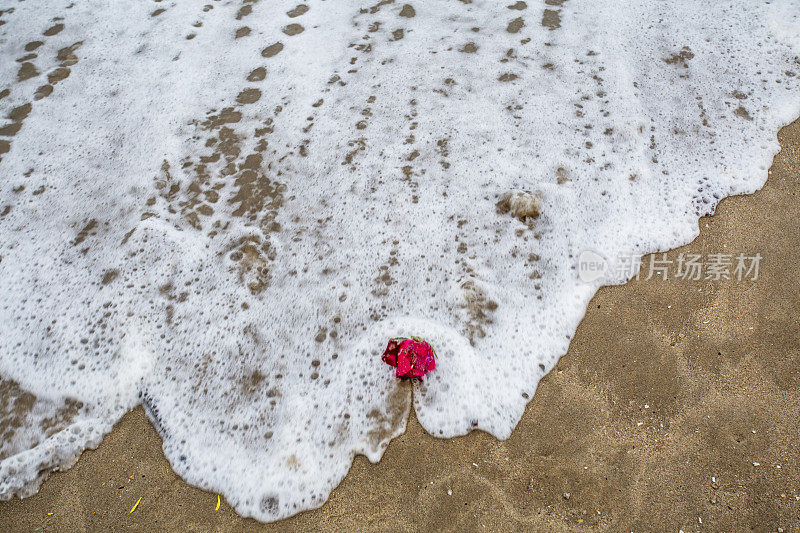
<point x="412" y="358"/>
<point x="403" y="364"/>
<point x="390" y="354"/>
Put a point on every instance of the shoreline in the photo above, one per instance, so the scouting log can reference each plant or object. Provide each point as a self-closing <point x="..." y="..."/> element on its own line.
<point x="674" y="408"/>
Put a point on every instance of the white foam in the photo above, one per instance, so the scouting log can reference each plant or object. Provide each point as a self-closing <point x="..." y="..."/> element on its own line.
<point x="245" y="302"/>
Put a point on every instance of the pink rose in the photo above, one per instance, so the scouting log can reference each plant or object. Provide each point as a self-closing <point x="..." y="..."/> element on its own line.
<point x="413" y="358"/>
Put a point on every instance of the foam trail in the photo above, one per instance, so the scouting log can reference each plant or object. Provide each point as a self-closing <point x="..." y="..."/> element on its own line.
<point x="222" y="211"/>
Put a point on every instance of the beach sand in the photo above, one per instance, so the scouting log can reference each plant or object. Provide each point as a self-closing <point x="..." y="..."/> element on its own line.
<point x="676" y="407"/>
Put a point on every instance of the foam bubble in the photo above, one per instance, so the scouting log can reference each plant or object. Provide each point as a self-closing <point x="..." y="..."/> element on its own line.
<point x="223" y="211"/>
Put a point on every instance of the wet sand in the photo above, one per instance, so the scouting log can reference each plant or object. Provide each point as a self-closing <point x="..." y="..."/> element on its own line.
<point x="676" y="407"/>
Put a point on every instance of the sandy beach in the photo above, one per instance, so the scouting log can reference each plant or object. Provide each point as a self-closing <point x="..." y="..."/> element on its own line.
<point x="213" y="219"/>
<point x="676" y="408"/>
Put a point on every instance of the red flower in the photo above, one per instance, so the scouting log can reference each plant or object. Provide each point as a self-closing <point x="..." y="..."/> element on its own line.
<point x="413" y="358"/>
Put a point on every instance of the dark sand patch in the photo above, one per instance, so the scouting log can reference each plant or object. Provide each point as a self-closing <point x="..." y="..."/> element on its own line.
<point x="301" y="9"/>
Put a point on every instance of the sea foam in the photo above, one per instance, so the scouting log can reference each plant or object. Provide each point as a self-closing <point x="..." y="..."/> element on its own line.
<point x="223" y="211"/>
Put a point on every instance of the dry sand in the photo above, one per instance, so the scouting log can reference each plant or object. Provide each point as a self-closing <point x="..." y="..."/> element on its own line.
<point x="676" y="407"/>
